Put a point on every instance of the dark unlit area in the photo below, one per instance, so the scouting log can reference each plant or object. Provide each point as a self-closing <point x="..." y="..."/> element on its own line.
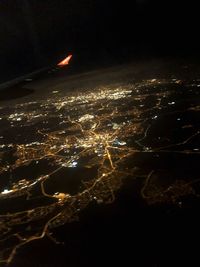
<point x="37" y="34"/>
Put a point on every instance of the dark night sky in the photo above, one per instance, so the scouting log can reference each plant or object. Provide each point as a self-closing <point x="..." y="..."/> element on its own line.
<point x="37" y="33"/>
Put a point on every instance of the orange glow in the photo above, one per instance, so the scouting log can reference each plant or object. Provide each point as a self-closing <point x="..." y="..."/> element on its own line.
<point x="65" y="61"/>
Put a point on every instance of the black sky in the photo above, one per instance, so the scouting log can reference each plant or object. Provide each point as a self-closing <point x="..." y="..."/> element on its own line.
<point x="37" y="33"/>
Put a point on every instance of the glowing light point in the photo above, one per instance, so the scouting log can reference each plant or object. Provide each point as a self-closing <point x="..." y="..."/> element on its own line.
<point x="65" y="61"/>
<point x="6" y="191"/>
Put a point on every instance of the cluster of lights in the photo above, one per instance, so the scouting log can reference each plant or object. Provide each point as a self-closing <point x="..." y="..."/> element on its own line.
<point x="101" y="129"/>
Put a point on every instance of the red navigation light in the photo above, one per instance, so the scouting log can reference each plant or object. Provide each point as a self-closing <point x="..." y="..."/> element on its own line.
<point x="65" y="61"/>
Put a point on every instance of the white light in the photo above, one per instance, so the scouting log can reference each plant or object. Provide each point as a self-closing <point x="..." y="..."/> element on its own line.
<point x="86" y="117"/>
<point x="74" y="164"/>
<point x="6" y="191"/>
<point x="122" y="143"/>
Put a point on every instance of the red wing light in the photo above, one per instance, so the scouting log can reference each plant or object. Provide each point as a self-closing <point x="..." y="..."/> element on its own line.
<point x="65" y="61"/>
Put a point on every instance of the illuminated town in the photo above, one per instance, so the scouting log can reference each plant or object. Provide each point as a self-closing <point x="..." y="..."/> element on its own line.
<point x="95" y="138"/>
